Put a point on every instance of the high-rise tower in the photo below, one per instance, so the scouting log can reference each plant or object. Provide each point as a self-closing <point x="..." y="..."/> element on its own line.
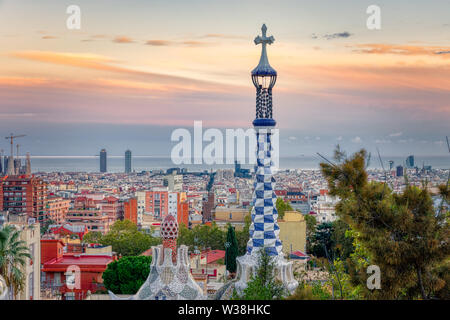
<point x="264" y="229"/>
<point x="127" y="161"/>
<point x="28" y="165"/>
<point x="103" y="160"/>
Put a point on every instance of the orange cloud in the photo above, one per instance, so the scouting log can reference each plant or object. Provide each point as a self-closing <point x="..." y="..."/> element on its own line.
<point x="98" y="62"/>
<point x="222" y="36"/>
<point x="123" y="39"/>
<point x="158" y="43"/>
<point x="189" y="43"/>
<point x="408" y="50"/>
<point x="193" y="43"/>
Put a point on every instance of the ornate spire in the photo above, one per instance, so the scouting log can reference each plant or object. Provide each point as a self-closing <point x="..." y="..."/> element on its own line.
<point x="264" y="78"/>
<point x="264" y="229"/>
<point x="169" y="235"/>
<point x="264" y="68"/>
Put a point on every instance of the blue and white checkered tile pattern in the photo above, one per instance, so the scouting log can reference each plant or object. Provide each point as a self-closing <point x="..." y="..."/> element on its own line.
<point x="264" y="230"/>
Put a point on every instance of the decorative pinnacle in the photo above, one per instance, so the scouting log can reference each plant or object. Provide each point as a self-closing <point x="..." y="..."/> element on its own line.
<point x="264" y="39"/>
<point x="264" y="67"/>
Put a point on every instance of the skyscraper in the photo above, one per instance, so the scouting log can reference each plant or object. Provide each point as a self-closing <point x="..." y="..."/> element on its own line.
<point x="399" y="171"/>
<point x="127" y="161"/>
<point x="5" y="164"/>
<point x="103" y="160"/>
<point x="410" y="162"/>
<point x="28" y="165"/>
<point x="10" y="169"/>
<point x="264" y="229"/>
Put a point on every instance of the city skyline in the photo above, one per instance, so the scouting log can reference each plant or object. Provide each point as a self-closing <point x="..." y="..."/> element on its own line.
<point x="148" y="155"/>
<point x="129" y="85"/>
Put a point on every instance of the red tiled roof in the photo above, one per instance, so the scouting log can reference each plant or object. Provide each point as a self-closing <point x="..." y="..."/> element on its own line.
<point x="111" y="199"/>
<point x="91" y="262"/>
<point x="299" y="253"/>
<point x="213" y="255"/>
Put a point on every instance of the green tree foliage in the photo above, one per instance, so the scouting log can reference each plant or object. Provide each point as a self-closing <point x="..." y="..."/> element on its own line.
<point x="46" y="225"/>
<point x="202" y="236"/>
<point x="231" y="250"/>
<point x="402" y="233"/>
<point x="322" y="244"/>
<point x="92" y="237"/>
<point x="341" y="284"/>
<point x="342" y="239"/>
<point x="243" y="236"/>
<point x="329" y="240"/>
<point x="263" y="285"/>
<point x="13" y="254"/>
<point x="125" y="239"/>
<point x="311" y="223"/>
<point x="311" y="291"/>
<point x="282" y="207"/>
<point x="213" y="237"/>
<point x="127" y="275"/>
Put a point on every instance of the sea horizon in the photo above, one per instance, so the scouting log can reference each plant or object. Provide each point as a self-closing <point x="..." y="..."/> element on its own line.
<point x="116" y="163"/>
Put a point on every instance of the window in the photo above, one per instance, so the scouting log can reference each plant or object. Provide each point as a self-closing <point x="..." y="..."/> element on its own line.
<point x="57" y="279"/>
<point x="70" y="296"/>
<point x="31" y="285"/>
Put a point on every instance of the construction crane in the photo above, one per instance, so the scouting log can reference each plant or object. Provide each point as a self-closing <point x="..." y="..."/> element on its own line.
<point x="11" y="138"/>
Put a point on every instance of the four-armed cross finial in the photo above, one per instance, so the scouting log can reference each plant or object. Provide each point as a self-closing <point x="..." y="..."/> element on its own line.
<point x="264" y="39"/>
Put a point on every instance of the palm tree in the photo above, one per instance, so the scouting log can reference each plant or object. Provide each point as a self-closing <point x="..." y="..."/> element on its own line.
<point x="13" y="254"/>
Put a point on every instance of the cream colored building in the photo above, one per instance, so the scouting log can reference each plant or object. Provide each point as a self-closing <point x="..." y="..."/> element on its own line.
<point x="293" y="232"/>
<point x="99" y="250"/>
<point x="233" y="215"/>
<point x="30" y="232"/>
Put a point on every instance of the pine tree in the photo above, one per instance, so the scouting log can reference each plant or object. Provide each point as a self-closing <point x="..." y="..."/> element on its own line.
<point x="231" y="250"/>
<point x="402" y="233"/>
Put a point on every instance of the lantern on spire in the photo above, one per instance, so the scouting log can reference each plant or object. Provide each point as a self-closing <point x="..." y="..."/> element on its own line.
<point x="264" y="78"/>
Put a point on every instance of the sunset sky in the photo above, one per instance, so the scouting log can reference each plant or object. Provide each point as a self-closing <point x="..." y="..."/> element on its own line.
<point x="138" y="69"/>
